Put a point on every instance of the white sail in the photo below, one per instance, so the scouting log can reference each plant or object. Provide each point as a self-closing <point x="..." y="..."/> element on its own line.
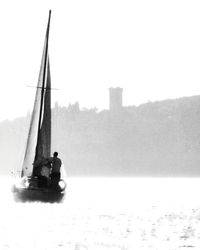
<point x="39" y="136"/>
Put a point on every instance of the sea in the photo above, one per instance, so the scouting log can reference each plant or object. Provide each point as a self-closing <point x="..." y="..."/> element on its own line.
<point x="105" y="214"/>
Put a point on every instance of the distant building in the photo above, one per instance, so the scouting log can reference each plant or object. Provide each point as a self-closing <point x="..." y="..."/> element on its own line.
<point x="115" y="99"/>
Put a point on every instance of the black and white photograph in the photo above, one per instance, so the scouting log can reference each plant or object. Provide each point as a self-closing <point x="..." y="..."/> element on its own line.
<point x="100" y="125"/>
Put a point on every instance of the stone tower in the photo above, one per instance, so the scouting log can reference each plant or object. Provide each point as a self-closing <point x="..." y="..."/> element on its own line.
<point x="115" y="99"/>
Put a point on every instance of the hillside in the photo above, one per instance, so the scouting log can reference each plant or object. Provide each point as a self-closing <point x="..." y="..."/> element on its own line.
<point x="154" y="139"/>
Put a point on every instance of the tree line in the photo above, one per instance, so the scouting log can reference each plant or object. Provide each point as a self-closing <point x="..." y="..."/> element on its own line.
<point x="154" y="139"/>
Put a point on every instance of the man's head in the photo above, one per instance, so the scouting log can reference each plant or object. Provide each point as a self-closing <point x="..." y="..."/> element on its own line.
<point x="55" y="154"/>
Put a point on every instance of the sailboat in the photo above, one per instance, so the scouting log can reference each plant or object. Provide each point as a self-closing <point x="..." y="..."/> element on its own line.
<point x="38" y="147"/>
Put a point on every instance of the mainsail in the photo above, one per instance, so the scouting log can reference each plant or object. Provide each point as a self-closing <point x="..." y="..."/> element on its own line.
<point x="39" y="137"/>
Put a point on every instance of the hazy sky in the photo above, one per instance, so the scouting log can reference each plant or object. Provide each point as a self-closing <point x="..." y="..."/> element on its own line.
<point x="149" y="48"/>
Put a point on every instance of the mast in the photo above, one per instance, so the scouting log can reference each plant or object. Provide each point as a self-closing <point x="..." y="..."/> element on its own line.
<point x="43" y="82"/>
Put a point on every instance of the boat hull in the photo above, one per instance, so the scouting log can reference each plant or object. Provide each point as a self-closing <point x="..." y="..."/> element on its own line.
<point x="23" y="193"/>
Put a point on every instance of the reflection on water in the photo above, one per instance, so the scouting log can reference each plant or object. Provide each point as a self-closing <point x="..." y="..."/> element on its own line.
<point x="114" y="214"/>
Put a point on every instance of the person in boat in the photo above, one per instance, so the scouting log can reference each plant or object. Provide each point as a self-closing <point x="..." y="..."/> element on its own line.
<point x="56" y="163"/>
<point x="42" y="172"/>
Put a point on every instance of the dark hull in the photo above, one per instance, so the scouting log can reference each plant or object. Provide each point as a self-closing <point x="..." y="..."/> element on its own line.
<point x="22" y="194"/>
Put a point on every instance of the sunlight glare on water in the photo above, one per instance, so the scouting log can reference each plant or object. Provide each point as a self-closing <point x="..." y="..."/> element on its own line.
<point x="106" y="214"/>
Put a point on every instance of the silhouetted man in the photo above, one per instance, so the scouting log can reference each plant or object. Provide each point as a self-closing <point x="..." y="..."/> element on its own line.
<point x="55" y="169"/>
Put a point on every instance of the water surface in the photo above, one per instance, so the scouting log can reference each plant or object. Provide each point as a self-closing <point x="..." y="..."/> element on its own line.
<point x="106" y="213"/>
